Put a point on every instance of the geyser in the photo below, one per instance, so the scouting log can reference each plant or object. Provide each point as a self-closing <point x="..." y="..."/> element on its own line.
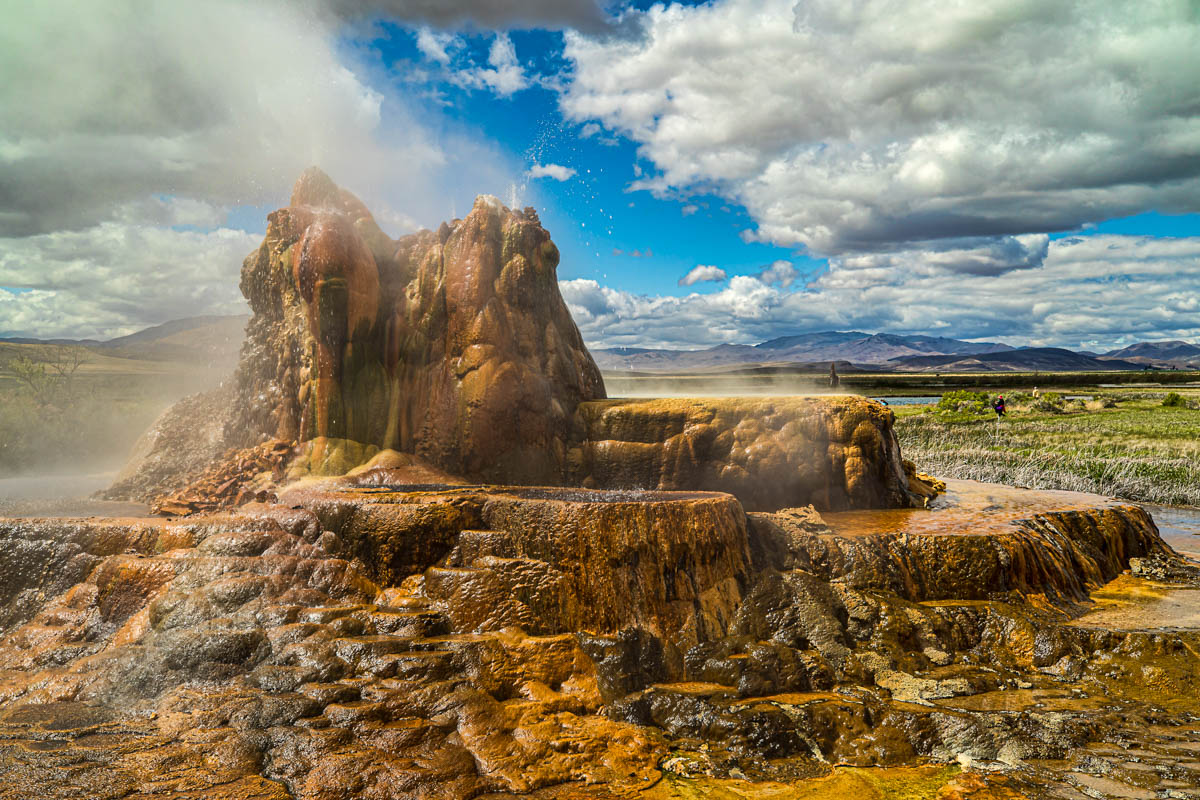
<point x="455" y="346"/>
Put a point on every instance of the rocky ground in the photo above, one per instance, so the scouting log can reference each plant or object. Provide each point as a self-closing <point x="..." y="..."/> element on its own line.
<point x="366" y="639"/>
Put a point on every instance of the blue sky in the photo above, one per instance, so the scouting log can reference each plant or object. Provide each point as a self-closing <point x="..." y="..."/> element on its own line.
<point x="595" y="218"/>
<point x="727" y="171"/>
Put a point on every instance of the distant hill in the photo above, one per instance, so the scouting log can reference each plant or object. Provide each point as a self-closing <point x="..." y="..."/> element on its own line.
<point x="1173" y="353"/>
<point x="216" y="340"/>
<point x="205" y="342"/>
<point x="864" y="349"/>
<point x="1027" y="359"/>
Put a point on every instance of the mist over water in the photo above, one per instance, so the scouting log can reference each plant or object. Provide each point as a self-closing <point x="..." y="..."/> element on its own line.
<point x="61" y="495"/>
<point x="701" y="385"/>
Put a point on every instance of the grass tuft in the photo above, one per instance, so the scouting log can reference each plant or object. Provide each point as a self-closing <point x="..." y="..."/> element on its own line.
<point x="1142" y="450"/>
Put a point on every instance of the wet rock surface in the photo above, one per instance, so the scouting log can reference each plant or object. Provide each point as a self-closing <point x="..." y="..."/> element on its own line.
<point x="366" y="639"/>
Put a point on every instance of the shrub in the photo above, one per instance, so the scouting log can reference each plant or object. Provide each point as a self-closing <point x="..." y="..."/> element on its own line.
<point x="1049" y="403"/>
<point x="963" y="401"/>
<point x="1174" y="400"/>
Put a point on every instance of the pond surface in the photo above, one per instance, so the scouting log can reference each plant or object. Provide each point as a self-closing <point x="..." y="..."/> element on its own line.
<point x="1179" y="526"/>
<point x="909" y="401"/>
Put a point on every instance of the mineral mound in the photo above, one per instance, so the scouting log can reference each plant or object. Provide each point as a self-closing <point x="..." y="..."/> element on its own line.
<point x="452" y="344"/>
<point x="362" y="639"/>
<point x="455" y="346"/>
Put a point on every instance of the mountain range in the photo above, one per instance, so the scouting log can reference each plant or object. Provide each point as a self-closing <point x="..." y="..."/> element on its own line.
<point x="215" y="340"/>
<point x="856" y="350"/>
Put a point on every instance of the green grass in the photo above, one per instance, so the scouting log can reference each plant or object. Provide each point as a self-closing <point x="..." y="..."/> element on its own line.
<point x="1140" y="450"/>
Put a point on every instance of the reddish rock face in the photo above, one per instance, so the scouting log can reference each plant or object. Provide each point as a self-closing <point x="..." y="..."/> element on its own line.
<point x="545" y="559"/>
<point x="455" y="345"/>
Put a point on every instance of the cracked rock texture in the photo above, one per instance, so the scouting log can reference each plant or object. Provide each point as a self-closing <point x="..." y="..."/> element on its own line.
<point x="367" y="639"/>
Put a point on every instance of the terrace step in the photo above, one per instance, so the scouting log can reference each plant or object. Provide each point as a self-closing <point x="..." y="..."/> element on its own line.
<point x="406" y="623"/>
<point x="475" y="544"/>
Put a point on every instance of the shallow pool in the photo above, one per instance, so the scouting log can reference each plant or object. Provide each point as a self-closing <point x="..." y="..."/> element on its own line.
<point x="1179" y="526"/>
<point x="908" y="401"/>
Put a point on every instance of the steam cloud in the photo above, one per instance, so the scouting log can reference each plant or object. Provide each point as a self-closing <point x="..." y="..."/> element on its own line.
<point x="121" y="117"/>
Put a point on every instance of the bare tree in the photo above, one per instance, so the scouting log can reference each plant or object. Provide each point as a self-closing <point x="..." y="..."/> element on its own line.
<point x="48" y="374"/>
<point x="63" y="361"/>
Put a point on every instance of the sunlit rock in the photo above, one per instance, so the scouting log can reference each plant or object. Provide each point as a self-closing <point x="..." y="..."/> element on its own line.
<point x="455" y="346"/>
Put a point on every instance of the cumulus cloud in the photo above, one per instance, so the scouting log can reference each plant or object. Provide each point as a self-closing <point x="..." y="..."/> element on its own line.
<point x="114" y="278"/>
<point x="981" y="256"/>
<point x="505" y="75"/>
<point x="780" y="272"/>
<point x="871" y="125"/>
<point x="702" y="273"/>
<point x="433" y="44"/>
<point x="1100" y="289"/>
<point x="555" y="171"/>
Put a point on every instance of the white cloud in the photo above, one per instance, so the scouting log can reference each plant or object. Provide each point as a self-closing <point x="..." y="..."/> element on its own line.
<point x="870" y="125"/>
<point x="114" y="279"/>
<point x="1100" y="289"/>
<point x="433" y="45"/>
<point x="506" y="76"/>
<point x="689" y="209"/>
<point x="780" y="272"/>
<point x="556" y="171"/>
<point x="122" y="118"/>
<point x="104" y="105"/>
<point x="702" y="273"/>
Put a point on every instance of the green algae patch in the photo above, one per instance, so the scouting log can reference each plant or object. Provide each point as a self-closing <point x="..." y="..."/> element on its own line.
<point x="844" y="783"/>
